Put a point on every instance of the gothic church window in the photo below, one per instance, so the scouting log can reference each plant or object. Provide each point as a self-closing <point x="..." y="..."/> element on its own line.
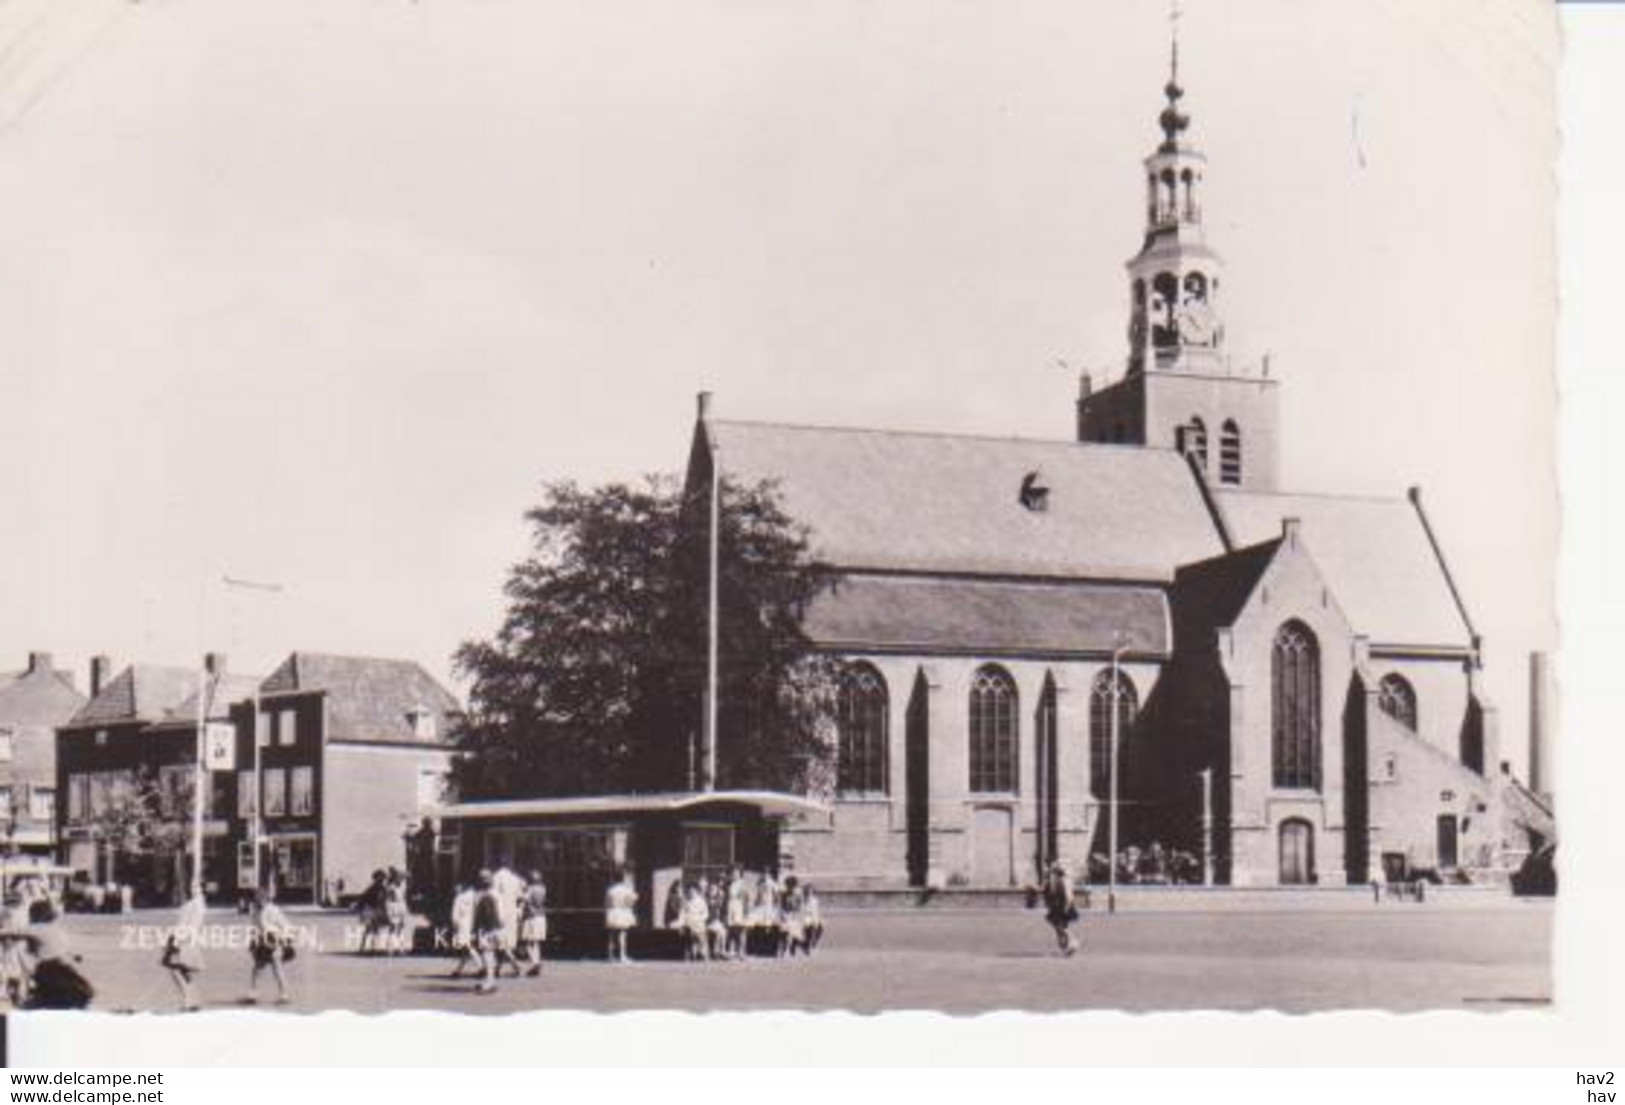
<point x="1397" y="699"/>
<point x="1100" y="727"/>
<point x="1230" y="453"/>
<point x="993" y="731"/>
<point x="1295" y="708"/>
<point x="861" y="722"/>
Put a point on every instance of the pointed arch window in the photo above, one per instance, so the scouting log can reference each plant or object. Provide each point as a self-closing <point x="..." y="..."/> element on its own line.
<point x="1196" y="440"/>
<point x="993" y="732"/>
<point x="1397" y="698"/>
<point x="1100" y="727"/>
<point x="1230" y="452"/>
<point x="1295" y="708"/>
<point x="862" y="720"/>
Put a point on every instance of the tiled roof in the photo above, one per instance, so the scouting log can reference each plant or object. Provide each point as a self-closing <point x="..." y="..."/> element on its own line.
<point x="1375" y="555"/>
<point x="141" y="692"/>
<point x="369" y="700"/>
<point x="1212" y="593"/>
<point x="42" y="698"/>
<point x="989" y="616"/>
<point x="945" y="503"/>
<point x="223" y="692"/>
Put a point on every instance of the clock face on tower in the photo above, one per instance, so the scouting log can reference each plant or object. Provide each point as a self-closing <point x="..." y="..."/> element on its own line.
<point x="1197" y="325"/>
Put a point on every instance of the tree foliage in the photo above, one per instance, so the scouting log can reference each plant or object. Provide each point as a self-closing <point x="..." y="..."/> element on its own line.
<point x="594" y="681"/>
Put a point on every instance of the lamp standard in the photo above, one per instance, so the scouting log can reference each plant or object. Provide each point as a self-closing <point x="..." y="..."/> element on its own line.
<point x="256" y="824"/>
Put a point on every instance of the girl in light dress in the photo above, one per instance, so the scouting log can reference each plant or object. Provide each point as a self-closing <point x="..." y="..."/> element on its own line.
<point x="270" y="945"/>
<point x="696" y="919"/>
<point x="462" y="930"/>
<point x="620" y="901"/>
<point x="737" y="917"/>
<point x="533" y="923"/>
<point x="183" y="952"/>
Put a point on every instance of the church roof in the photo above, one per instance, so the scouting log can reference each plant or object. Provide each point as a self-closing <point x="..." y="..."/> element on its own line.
<point x="899" y="501"/>
<point x="914" y="613"/>
<point x="1214" y="592"/>
<point x="1375" y="554"/>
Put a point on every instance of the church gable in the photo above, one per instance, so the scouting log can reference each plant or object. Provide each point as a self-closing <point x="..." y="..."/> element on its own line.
<point x="1377" y="557"/>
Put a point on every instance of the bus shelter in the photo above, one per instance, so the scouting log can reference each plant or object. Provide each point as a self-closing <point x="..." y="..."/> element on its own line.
<point x="579" y="844"/>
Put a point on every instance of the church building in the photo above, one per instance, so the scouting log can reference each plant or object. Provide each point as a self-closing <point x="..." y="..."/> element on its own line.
<point x="1291" y="681"/>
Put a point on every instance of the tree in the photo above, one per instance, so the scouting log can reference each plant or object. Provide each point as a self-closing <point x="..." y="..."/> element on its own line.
<point x="144" y="821"/>
<point x="594" y="682"/>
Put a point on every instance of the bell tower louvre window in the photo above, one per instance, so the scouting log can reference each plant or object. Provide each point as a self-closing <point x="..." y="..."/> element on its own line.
<point x="1230" y="453"/>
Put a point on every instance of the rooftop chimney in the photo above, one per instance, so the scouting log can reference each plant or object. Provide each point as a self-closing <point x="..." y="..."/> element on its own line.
<point x="39" y="662"/>
<point x="1289" y="531"/>
<point x="101" y="672"/>
<point x="214" y="663"/>
<point x="703" y="405"/>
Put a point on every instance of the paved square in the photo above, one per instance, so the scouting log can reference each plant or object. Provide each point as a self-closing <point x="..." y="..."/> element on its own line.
<point x="1399" y="957"/>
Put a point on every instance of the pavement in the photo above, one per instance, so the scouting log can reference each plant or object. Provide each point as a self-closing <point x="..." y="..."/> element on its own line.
<point x="1402" y="957"/>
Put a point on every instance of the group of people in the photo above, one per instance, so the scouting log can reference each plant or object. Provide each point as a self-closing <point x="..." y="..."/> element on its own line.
<point x="499" y="920"/>
<point x="272" y="944"/>
<point x="719" y="918"/>
<point x="385" y="915"/>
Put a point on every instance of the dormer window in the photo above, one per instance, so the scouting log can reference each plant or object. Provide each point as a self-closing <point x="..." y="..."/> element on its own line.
<point x="1033" y="494"/>
<point x="423" y="725"/>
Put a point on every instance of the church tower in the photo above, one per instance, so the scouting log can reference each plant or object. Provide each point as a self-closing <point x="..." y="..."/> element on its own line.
<point x="1180" y="388"/>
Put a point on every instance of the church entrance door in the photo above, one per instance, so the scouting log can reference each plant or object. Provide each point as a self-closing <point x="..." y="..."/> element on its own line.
<point x="1297" y="852"/>
<point x="992" y="854"/>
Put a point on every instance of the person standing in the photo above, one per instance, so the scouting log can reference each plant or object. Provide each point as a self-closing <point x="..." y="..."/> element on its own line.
<point x="396" y="914"/>
<point x="812" y="912"/>
<point x="533" y="923"/>
<point x="1061" y="908"/>
<point x="269" y="945"/>
<point x="620" y="903"/>
<point x="738" y="915"/>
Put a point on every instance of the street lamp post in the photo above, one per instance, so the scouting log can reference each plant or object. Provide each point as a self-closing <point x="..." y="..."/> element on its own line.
<point x="256" y="822"/>
<point x="1111" y="843"/>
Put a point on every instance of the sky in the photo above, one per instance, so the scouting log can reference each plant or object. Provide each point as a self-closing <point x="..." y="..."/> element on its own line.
<point x="324" y="293"/>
